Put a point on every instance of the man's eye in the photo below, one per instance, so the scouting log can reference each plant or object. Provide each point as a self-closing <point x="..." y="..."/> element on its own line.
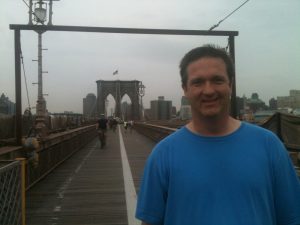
<point x="197" y="82"/>
<point x="218" y="80"/>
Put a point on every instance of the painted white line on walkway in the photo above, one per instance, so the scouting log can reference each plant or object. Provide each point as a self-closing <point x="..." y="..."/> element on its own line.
<point x="130" y="192"/>
<point x="64" y="187"/>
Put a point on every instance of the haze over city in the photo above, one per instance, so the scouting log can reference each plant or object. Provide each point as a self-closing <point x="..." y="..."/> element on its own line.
<point x="267" y="50"/>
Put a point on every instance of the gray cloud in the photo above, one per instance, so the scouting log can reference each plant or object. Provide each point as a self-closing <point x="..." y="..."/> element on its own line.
<point x="267" y="49"/>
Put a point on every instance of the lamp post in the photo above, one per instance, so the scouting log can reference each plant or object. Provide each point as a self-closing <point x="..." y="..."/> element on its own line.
<point x="40" y="17"/>
<point x="141" y="93"/>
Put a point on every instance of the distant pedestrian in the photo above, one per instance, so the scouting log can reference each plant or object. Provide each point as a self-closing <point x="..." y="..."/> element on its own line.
<point x="125" y="126"/>
<point x="113" y="124"/>
<point x="102" y="128"/>
<point x="217" y="170"/>
<point x="130" y="125"/>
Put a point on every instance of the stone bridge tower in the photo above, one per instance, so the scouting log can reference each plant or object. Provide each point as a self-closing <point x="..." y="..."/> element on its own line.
<point x="118" y="89"/>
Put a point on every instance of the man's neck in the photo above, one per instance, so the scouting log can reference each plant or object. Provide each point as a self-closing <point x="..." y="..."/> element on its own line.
<point x="213" y="126"/>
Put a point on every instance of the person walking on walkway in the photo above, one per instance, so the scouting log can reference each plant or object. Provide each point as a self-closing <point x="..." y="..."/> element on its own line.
<point x="130" y="125"/>
<point x="217" y="170"/>
<point x="125" y="126"/>
<point x="102" y="128"/>
<point x="113" y="124"/>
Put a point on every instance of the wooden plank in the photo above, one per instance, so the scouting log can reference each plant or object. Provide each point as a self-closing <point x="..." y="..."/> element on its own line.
<point x="87" y="189"/>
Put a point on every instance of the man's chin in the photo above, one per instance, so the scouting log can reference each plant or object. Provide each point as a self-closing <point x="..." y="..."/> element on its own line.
<point x="210" y="113"/>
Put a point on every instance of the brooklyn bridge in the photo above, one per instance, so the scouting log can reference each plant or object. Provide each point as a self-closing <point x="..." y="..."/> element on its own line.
<point x="57" y="173"/>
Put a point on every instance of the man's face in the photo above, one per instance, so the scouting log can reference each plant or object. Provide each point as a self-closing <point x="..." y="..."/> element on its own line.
<point x="208" y="87"/>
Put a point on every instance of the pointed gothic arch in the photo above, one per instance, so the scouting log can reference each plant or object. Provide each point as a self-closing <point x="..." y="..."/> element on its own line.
<point x="118" y="88"/>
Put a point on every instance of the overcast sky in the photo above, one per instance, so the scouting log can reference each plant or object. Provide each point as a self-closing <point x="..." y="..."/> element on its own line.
<point x="267" y="48"/>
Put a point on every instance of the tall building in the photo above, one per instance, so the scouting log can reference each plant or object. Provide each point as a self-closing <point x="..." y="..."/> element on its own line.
<point x="161" y="109"/>
<point x="174" y="111"/>
<point x="89" y="105"/>
<point x="273" y="104"/>
<point x="147" y="114"/>
<point x="6" y="106"/>
<point x="185" y="109"/>
<point x="291" y="101"/>
<point x="255" y="103"/>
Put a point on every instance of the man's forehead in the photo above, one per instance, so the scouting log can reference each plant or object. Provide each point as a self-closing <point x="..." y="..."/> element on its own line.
<point x="207" y="63"/>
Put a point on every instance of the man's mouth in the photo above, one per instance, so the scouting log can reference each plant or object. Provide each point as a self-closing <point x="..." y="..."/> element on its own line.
<point x="207" y="101"/>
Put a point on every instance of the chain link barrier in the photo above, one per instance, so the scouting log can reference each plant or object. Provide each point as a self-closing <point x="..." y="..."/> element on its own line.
<point x="10" y="193"/>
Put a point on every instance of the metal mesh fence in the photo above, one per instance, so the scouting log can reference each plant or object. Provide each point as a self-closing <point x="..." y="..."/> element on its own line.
<point x="10" y="193"/>
<point x="287" y="127"/>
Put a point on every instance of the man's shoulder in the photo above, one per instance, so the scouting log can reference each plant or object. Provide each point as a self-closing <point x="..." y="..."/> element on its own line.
<point x="258" y="133"/>
<point x="256" y="128"/>
<point x="172" y="140"/>
<point x="176" y="135"/>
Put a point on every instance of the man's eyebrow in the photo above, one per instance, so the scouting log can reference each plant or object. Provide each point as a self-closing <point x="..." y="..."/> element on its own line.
<point x="218" y="77"/>
<point x="197" y="79"/>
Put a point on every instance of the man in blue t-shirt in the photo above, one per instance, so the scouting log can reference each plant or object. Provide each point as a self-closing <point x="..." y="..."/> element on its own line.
<point x="217" y="170"/>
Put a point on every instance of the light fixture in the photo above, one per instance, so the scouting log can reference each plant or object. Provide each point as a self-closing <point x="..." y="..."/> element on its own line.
<point x="40" y="12"/>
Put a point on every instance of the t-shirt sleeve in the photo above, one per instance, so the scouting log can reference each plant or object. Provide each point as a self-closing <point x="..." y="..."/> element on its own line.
<point x="286" y="186"/>
<point x="153" y="192"/>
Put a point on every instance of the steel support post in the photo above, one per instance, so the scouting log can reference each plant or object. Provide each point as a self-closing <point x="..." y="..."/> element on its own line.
<point x="233" y="93"/>
<point x="18" y="89"/>
<point x="41" y="103"/>
<point x="23" y="188"/>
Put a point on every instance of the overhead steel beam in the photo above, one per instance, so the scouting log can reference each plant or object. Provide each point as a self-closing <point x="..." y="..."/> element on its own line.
<point x="121" y="30"/>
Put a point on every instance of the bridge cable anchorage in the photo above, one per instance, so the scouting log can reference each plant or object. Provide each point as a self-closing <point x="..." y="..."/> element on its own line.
<point x="216" y="25"/>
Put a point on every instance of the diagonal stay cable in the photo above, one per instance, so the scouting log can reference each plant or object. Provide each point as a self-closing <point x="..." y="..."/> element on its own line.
<point x="216" y="25"/>
<point x="21" y="54"/>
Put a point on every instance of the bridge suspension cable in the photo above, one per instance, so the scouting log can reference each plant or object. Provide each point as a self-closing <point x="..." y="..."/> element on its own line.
<point x="24" y="72"/>
<point x="216" y="25"/>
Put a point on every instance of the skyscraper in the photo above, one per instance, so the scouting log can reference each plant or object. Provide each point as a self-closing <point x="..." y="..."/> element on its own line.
<point x="161" y="109"/>
<point x="89" y="105"/>
<point x="6" y="106"/>
<point x="185" y="109"/>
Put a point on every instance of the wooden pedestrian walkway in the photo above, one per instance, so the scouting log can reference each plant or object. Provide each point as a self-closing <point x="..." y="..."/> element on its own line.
<point x="89" y="188"/>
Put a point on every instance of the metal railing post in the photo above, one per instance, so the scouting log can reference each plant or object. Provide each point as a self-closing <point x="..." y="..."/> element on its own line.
<point x="23" y="189"/>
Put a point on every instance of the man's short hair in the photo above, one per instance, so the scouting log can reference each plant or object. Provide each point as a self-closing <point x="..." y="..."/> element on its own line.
<point x="201" y="52"/>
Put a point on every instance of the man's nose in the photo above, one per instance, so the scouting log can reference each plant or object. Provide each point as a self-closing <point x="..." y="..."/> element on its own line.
<point x="208" y="88"/>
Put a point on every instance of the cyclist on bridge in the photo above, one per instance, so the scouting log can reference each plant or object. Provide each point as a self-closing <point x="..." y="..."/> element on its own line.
<point x="102" y="127"/>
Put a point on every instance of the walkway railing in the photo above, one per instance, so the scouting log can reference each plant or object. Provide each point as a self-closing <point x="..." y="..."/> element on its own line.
<point x="54" y="150"/>
<point x="285" y="126"/>
<point x="17" y="176"/>
<point x="12" y="192"/>
<point x="154" y="132"/>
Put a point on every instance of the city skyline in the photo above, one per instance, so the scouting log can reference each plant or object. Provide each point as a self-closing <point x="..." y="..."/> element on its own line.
<point x="267" y="51"/>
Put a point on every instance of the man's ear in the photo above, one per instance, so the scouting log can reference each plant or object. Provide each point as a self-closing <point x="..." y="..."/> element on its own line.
<point x="231" y="85"/>
<point x="184" y="88"/>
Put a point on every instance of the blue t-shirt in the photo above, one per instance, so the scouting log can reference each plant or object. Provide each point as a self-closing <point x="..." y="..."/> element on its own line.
<point x="244" y="178"/>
